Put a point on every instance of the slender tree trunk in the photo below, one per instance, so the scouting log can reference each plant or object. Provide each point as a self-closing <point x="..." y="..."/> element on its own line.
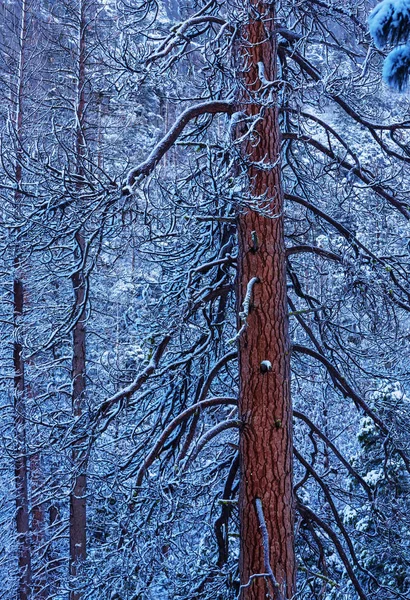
<point x="78" y="507"/>
<point x="266" y="500"/>
<point x="21" y="464"/>
<point x="78" y="514"/>
<point x="37" y="527"/>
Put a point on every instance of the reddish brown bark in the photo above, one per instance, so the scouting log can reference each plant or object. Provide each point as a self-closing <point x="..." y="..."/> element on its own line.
<point x="266" y="501"/>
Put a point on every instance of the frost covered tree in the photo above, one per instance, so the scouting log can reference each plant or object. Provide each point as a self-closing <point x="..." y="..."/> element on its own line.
<point x="19" y="81"/>
<point x="316" y="148"/>
<point x="385" y="545"/>
<point x="225" y="183"/>
<point x="390" y="26"/>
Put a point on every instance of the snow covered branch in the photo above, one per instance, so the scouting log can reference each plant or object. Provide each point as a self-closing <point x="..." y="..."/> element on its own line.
<point x="179" y="34"/>
<point x="135" y="385"/>
<point x="311" y="516"/>
<point x="389" y="22"/>
<point x="171" y="427"/>
<point x="208" y="436"/>
<point x="145" y="168"/>
<point x="265" y="541"/>
<point x="347" y="390"/>
<point x="246" y="306"/>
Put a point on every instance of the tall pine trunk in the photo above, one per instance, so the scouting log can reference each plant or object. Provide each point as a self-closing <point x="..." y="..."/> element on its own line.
<point x="21" y="463"/>
<point x="267" y="562"/>
<point x="39" y="583"/>
<point x="78" y="506"/>
<point x="78" y="513"/>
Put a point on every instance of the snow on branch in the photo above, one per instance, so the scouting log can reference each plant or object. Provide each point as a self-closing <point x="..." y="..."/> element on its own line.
<point x="348" y="391"/>
<point x="310" y="516"/>
<point x="208" y="436"/>
<point x="145" y="168"/>
<point x="246" y="306"/>
<point x="247" y="301"/>
<point x="396" y="69"/>
<point x="179" y="33"/>
<point x="266" y="546"/>
<point x="135" y="385"/>
<point x="389" y="22"/>
<point x="188" y="412"/>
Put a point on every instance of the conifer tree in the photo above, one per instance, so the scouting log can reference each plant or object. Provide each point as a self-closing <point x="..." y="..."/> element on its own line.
<point x="390" y="26"/>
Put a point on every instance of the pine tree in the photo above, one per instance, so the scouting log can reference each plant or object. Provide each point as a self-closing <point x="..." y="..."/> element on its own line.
<point x="390" y="25"/>
<point x="385" y="522"/>
<point x="264" y="405"/>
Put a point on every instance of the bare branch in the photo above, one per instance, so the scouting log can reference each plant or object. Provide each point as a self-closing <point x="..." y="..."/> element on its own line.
<point x="171" y="427"/>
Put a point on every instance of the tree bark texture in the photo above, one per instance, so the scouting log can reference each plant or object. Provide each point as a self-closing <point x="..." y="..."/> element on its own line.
<point x="266" y="497"/>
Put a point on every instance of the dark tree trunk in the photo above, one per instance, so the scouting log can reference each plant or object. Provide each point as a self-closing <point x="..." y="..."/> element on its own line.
<point x="266" y="499"/>
<point x="37" y="527"/>
<point x="78" y="513"/>
<point x="78" y="506"/>
<point x="20" y="465"/>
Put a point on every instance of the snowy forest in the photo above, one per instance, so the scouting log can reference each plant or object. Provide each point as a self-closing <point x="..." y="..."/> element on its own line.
<point x="205" y="300"/>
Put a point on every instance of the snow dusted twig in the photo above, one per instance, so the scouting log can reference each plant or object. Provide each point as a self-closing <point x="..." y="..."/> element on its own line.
<point x="179" y="30"/>
<point x="348" y="390"/>
<point x="226" y="260"/>
<point x="145" y="168"/>
<point x="245" y="308"/>
<point x="179" y="34"/>
<point x="247" y="301"/>
<point x="208" y="436"/>
<point x="336" y="452"/>
<point x="135" y="385"/>
<point x="250" y="581"/>
<point x="254" y="120"/>
<point x="265" y="541"/>
<point x="310" y="516"/>
<point x="262" y="76"/>
<point x="214" y="372"/>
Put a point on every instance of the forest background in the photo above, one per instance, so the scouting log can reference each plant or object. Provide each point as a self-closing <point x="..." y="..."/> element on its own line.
<point x="198" y="197"/>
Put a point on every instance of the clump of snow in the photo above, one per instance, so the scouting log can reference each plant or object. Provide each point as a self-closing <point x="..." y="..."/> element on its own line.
<point x="373" y="477"/>
<point x="366" y="426"/>
<point x="396" y="68"/>
<point x="389" y="22"/>
<point x="349" y="514"/>
<point x="397" y="395"/>
<point x="363" y="524"/>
